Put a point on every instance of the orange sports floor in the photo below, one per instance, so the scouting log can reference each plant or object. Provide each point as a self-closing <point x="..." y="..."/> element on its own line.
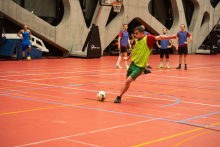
<point x="52" y="103"/>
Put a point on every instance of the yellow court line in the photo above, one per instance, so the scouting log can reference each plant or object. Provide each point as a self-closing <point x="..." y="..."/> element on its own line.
<point x="194" y="136"/>
<point x="191" y="138"/>
<point x="32" y="110"/>
<point x="58" y="106"/>
<point x="172" y="136"/>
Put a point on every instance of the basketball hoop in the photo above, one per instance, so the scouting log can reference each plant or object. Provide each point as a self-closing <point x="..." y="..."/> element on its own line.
<point x="117" y="6"/>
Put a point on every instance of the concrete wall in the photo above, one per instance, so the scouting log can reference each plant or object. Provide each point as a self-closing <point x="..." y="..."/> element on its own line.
<point x="71" y="33"/>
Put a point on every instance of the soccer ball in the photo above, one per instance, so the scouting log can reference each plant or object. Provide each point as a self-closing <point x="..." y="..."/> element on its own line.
<point x="28" y="58"/>
<point x="101" y="95"/>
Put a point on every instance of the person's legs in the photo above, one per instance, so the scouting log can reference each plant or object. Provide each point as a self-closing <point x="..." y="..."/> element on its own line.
<point x="29" y="50"/>
<point x="185" y="61"/>
<point x="185" y="56"/>
<point x="161" y="58"/>
<point x="126" y="63"/>
<point x="126" y="86"/>
<point x="167" y="58"/>
<point x="180" y="59"/>
<point x="24" y="47"/>
<point x="119" y="60"/>
<point x="132" y="73"/>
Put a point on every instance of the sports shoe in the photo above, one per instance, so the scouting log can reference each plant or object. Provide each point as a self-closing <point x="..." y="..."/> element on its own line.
<point x="185" y="67"/>
<point x="127" y="67"/>
<point x="118" y="99"/>
<point x="118" y="66"/>
<point x="147" y="71"/>
<point x="179" y="67"/>
<point x="160" y="66"/>
<point x="149" y="67"/>
<point x="23" y="59"/>
<point x="168" y="67"/>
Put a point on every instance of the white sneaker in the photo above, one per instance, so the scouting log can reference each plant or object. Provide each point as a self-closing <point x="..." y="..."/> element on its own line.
<point x="127" y="67"/>
<point x="118" y="66"/>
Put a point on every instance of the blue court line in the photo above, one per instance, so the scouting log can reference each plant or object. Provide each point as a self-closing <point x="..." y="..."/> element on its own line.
<point x="112" y="111"/>
<point x="199" y="116"/>
<point x="178" y="101"/>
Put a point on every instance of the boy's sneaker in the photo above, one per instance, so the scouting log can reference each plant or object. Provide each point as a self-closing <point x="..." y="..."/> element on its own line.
<point x="147" y="71"/>
<point x="185" y="67"/>
<point x="168" y="67"/>
<point x="179" y="67"/>
<point x="160" y="66"/>
<point x="127" y="67"/>
<point x="118" y="66"/>
<point x="118" y="99"/>
<point x="149" y="67"/>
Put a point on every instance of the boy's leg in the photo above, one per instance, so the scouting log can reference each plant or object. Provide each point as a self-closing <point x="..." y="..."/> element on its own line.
<point x="23" y="54"/>
<point x="161" y="58"/>
<point x="132" y="73"/>
<point x="119" y="60"/>
<point x="29" y="50"/>
<point x="185" y="61"/>
<point x="125" y="54"/>
<point x="167" y="58"/>
<point x="180" y="61"/>
<point x="126" y="86"/>
<point x="24" y="47"/>
<point x="185" y="56"/>
<point x="124" y="89"/>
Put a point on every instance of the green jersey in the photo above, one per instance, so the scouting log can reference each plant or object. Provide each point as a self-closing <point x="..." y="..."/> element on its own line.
<point x="141" y="52"/>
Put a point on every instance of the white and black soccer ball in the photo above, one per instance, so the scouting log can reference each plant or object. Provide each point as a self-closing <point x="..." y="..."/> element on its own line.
<point x="101" y="95"/>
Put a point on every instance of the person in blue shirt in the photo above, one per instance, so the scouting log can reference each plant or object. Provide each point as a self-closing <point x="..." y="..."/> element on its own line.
<point x="181" y="45"/>
<point x="123" y="42"/>
<point x="146" y="33"/>
<point x="164" y="48"/>
<point x="26" y="40"/>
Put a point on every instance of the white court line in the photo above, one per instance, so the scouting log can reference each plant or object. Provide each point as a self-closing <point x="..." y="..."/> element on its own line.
<point x="82" y="142"/>
<point x="125" y="94"/>
<point x="148" y="97"/>
<point x="42" y="73"/>
<point x="59" y="122"/>
<point x="39" y="142"/>
<point x="191" y="77"/>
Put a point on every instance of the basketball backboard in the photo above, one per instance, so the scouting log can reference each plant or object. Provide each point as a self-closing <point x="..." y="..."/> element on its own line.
<point x="108" y="2"/>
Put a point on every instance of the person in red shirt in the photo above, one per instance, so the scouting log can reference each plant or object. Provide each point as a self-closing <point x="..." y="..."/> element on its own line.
<point x="140" y="55"/>
<point x="123" y="41"/>
<point x="181" y="45"/>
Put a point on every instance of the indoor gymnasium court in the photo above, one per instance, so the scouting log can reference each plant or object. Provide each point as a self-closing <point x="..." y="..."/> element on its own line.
<point x="50" y="92"/>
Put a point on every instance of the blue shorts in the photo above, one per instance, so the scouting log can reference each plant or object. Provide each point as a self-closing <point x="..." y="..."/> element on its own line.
<point x="25" y="44"/>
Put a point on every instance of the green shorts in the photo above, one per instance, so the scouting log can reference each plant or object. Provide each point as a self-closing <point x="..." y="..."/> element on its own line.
<point x="134" y="71"/>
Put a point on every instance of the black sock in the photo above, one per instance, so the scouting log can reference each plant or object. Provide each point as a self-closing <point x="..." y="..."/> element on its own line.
<point x="185" y="65"/>
<point x="23" y="57"/>
<point x="28" y="53"/>
<point x="179" y="65"/>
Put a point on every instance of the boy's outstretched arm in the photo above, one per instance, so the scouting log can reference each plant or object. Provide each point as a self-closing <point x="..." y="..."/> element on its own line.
<point x="165" y="37"/>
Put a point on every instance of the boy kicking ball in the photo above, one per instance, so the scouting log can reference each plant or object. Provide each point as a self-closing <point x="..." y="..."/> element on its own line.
<point x="140" y="55"/>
